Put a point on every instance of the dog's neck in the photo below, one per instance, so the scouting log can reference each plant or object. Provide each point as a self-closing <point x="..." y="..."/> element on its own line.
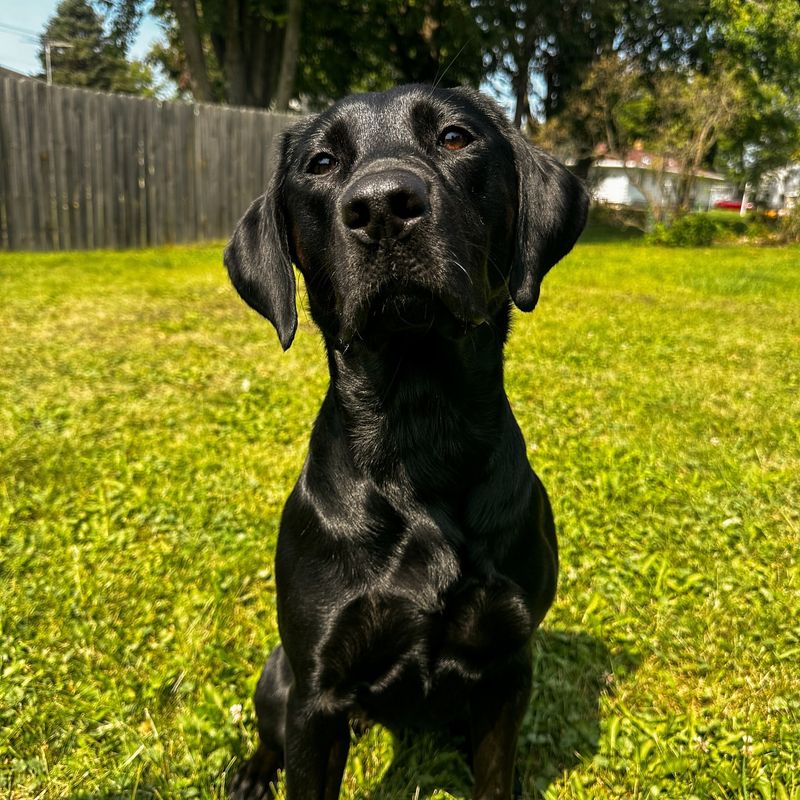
<point x="427" y="411"/>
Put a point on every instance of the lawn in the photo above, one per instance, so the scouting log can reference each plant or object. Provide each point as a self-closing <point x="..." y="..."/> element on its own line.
<point x="151" y="429"/>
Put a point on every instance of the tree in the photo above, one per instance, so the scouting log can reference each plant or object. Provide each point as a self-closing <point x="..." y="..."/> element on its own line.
<point x="82" y="55"/>
<point x="79" y="52"/>
<point x="711" y="83"/>
<point x="360" y="46"/>
<point x="679" y="117"/>
<point x="262" y="52"/>
<point x="760" y="44"/>
<point x="692" y="114"/>
<point x="553" y="43"/>
<point x="593" y="72"/>
<point x="231" y="51"/>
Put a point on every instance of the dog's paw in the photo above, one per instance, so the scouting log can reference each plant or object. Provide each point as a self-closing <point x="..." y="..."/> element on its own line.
<point x="256" y="778"/>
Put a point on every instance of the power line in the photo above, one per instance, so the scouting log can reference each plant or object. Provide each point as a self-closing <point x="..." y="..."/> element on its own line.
<point x="16" y="29"/>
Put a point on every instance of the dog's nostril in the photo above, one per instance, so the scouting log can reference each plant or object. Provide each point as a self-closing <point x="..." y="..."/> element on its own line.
<point x="405" y="204"/>
<point x="356" y="214"/>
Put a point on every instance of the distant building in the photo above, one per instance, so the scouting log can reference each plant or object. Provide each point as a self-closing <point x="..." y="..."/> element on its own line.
<point x="5" y="72"/>
<point x="780" y="188"/>
<point x="642" y="178"/>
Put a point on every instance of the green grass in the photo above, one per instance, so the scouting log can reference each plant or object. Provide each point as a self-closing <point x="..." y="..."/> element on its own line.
<point x="151" y="429"/>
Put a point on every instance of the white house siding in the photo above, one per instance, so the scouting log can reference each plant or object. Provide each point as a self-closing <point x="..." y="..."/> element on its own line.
<point x="781" y="187"/>
<point x="615" y="187"/>
<point x="616" y="184"/>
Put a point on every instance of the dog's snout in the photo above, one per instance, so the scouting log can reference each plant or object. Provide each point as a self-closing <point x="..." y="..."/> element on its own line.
<point x="384" y="205"/>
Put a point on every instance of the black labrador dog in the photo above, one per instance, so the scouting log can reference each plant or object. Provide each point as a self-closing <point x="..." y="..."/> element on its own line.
<point x="417" y="552"/>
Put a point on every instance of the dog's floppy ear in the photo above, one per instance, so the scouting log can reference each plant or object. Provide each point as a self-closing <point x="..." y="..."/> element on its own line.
<point x="551" y="213"/>
<point x="258" y="259"/>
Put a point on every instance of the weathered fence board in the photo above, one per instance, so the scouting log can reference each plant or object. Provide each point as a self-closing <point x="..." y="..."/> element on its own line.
<point x="82" y="169"/>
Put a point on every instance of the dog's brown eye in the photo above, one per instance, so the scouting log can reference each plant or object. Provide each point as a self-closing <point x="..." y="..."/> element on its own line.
<point x="322" y="164"/>
<point x="454" y="138"/>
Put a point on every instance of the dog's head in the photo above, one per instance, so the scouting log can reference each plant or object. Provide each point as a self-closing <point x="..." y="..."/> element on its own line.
<point x="405" y="210"/>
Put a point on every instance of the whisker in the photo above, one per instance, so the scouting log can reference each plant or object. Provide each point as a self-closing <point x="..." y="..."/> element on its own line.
<point x="438" y="80"/>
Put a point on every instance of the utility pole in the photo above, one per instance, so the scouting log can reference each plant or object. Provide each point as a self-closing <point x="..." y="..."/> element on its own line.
<point x="47" y="45"/>
<point x="743" y="206"/>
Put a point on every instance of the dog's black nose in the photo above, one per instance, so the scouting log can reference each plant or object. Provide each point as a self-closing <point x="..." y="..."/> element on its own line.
<point x="384" y="205"/>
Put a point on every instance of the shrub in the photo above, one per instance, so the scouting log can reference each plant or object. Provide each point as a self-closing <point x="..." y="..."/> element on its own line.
<point x="618" y="217"/>
<point x="692" y="230"/>
<point x="759" y="229"/>
<point x="658" y="235"/>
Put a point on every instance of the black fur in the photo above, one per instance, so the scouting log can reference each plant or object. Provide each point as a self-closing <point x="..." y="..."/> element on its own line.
<point x="417" y="552"/>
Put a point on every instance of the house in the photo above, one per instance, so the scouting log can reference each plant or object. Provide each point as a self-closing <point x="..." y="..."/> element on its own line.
<point x="6" y="72"/>
<point x="780" y="188"/>
<point x="641" y="179"/>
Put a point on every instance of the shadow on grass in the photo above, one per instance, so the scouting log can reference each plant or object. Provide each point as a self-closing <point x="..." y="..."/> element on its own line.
<point x="571" y="672"/>
<point x="597" y="233"/>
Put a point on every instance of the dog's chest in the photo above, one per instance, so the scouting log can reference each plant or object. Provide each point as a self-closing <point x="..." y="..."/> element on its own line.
<point x="423" y="635"/>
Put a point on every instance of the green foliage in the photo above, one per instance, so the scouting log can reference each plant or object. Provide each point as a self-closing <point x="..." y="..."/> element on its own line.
<point x="154" y="430"/>
<point x="691" y="230"/>
<point x="760" y="44"/>
<point x="344" y="47"/>
<point x="614" y="221"/>
<point x="356" y="46"/>
<point x="82" y="55"/>
<point x="731" y="223"/>
<point x="704" y="228"/>
<point x="711" y="83"/>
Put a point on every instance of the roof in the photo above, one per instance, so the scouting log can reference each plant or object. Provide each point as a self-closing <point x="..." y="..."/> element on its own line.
<point x="640" y="159"/>
<point x="5" y="72"/>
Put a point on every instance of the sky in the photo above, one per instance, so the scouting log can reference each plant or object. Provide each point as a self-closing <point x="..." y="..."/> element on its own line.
<point x="27" y="18"/>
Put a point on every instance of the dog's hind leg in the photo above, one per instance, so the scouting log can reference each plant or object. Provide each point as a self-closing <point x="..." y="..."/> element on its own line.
<point x="258" y="775"/>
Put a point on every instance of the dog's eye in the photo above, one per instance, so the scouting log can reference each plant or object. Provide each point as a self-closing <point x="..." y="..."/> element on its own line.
<point x="455" y="138"/>
<point x="322" y="164"/>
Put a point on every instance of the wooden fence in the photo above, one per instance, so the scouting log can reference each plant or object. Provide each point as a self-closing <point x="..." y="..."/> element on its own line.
<point x="82" y="169"/>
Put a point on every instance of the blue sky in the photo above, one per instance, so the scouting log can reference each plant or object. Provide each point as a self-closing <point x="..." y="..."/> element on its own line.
<point x="28" y="17"/>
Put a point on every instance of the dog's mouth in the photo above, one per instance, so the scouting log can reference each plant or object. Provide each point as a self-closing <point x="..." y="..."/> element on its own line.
<point x="409" y="311"/>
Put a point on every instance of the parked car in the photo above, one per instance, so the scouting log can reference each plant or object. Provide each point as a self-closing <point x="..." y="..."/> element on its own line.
<point x="732" y="205"/>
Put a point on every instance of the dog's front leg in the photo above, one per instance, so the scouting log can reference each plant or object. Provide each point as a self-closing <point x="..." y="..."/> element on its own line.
<point x="496" y="712"/>
<point x="317" y="742"/>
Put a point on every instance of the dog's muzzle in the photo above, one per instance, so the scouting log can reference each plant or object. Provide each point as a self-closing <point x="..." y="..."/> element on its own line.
<point x="384" y="205"/>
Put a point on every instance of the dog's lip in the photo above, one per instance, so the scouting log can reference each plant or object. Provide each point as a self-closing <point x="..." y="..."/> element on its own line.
<point x="410" y="309"/>
<point x="404" y="307"/>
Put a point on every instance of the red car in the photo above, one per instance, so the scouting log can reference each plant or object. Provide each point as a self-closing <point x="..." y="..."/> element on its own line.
<point x="732" y="205"/>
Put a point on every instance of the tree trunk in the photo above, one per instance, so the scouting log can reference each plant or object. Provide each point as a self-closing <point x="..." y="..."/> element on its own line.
<point x="186" y="14"/>
<point x="654" y="209"/>
<point x="291" y="49"/>
<point x="582" y="167"/>
<point x="257" y="49"/>
<point x="550" y="91"/>
<point x="522" y="109"/>
<point x="272" y="64"/>
<point x="234" y="66"/>
<point x="429" y="33"/>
